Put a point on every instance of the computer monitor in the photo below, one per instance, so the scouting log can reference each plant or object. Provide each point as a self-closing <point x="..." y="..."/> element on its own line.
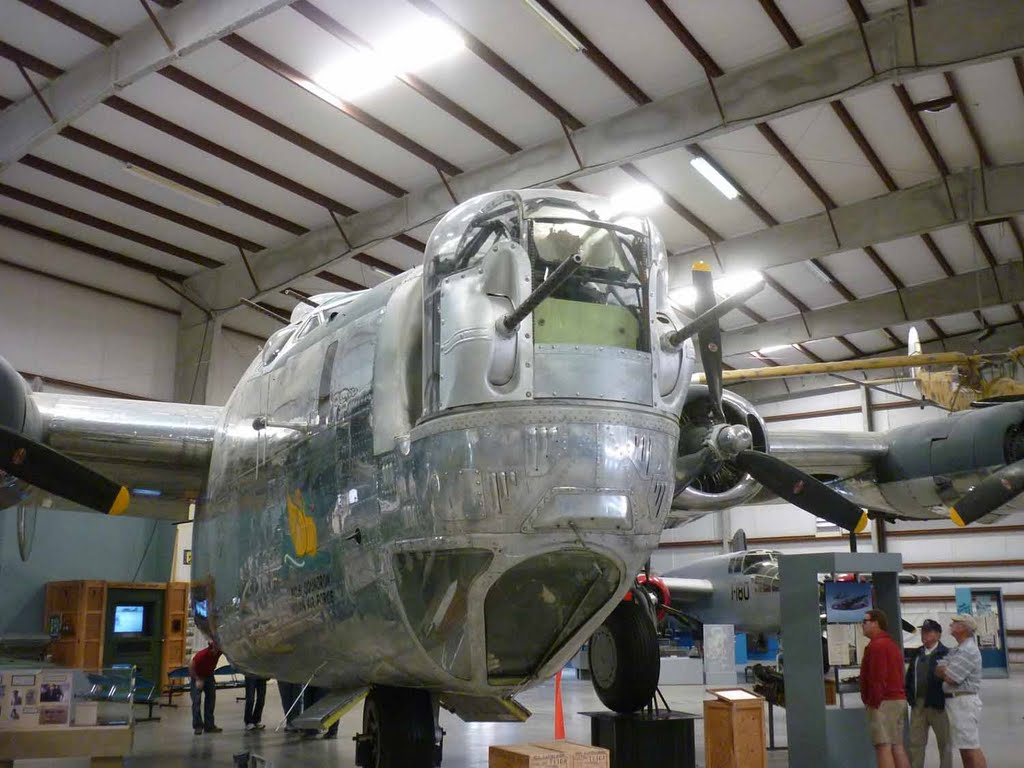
<point x="129" y="619"/>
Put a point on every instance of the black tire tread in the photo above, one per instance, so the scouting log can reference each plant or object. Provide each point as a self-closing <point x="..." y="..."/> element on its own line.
<point x="405" y="720"/>
<point x="638" y="656"/>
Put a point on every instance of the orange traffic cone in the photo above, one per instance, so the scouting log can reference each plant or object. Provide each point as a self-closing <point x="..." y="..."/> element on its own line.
<point x="559" y="718"/>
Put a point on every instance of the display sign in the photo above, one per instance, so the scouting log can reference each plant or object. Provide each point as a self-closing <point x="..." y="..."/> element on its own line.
<point x="846" y="602"/>
<point x="35" y="698"/>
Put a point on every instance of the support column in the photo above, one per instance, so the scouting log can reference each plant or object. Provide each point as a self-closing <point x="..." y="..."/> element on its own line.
<point x="867" y="412"/>
<point x="724" y="523"/>
<point x="199" y="344"/>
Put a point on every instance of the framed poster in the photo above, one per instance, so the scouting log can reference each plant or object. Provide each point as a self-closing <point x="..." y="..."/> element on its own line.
<point x="846" y="602"/>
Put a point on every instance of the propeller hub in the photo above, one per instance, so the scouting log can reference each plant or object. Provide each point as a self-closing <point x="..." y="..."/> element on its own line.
<point x="726" y="441"/>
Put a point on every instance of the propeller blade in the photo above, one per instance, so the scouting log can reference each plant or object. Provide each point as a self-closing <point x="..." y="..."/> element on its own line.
<point x="710" y="337"/>
<point x="990" y="494"/>
<point x="43" y="467"/>
<point x="908" y="627"/>
<point x="802" y="490"/>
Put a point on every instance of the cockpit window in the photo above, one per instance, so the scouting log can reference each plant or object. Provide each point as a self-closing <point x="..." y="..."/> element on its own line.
<point x="499" y="221"/>
<point x="312" y="322"/>
<point x="763" y="563"/>
<point x="604" y="301"/>
<point x="275" y="344"/>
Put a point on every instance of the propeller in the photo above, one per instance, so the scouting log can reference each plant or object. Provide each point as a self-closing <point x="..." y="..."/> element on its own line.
<point x="710" y="338"/>
<point x="802" y="490"/>
<point x="24" y="457"/>
<point x="732" y="442"/>
<point x="52" y="471"/>
<point x="990" y="494"/>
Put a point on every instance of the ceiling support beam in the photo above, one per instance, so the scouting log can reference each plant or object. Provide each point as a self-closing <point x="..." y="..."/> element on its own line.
<point x="93" y="185"/>
<point x="140" y="52"/>
<point x="817" y="72"/>
<point x="50" y="206"/>
<point x="994" y="193"/>
<point x="253" y="52"/>
<point x="93" y="250"/>
<point x="949" y="296"/>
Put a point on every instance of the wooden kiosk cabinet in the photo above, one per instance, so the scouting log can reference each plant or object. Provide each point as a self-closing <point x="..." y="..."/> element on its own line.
<point x="734" y="730"/>
<point x="96" y="624"/>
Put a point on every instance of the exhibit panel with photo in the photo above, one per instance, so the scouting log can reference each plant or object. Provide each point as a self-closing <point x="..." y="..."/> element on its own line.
<point x="36" y="698"/>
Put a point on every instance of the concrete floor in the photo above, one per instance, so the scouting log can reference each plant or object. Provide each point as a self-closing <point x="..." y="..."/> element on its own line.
<point x="170" y="743"/>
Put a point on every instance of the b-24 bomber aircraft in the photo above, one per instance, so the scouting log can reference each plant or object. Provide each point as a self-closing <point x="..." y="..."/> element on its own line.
<point x="437" y="489"/>
<point x="742" y="588"/>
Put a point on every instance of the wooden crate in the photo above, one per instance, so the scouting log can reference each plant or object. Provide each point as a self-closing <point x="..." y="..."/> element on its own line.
<point x="105" y="745"/>
<point x="79" y="608"/>
<point x="734" y="734"/>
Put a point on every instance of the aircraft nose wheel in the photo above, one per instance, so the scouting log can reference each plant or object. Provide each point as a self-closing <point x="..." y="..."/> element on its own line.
<point x="398" y="730"/>
<point x="625" y="662"/>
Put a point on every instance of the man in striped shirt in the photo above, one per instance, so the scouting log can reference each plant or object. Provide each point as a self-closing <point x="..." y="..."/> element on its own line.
<point x="960" y="672"/>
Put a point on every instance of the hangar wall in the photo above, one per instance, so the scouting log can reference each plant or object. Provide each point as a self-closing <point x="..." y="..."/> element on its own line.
<point x="72" y="334"/>
<point x="977" y="550"/>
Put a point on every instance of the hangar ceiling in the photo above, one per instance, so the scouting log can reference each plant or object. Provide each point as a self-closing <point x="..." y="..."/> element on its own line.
<point x="266" y="150"/>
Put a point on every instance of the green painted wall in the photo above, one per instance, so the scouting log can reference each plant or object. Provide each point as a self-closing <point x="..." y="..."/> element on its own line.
<point x="75" y="545"/>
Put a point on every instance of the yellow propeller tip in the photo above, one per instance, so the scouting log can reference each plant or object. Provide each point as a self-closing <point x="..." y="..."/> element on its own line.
<point x="120" y="503"/>
<point x="955" y="517"/>
<point x="701" y="266"/>
<point x="862" y="523"/>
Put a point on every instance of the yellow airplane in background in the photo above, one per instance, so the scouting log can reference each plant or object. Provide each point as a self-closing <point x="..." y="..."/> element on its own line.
<point x="963" y="381"/>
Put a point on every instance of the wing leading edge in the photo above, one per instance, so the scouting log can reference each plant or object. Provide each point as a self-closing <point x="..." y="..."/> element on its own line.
<point x="158" y="453"/>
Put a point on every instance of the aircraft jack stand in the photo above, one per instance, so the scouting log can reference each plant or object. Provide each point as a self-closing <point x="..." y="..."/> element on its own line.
<point x="653" y="736"/>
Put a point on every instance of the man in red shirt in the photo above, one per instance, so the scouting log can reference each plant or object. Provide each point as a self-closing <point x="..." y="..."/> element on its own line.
<point x="201" y="669"/>
<point x="882" y="691"/>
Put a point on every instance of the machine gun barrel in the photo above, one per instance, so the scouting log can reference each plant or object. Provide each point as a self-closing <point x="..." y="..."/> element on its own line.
<point x="507" y="324"/>
<point x="712" y="316"/>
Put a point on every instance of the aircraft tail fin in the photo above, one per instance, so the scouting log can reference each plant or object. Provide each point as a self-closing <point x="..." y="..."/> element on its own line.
<point x="738" y="542"/>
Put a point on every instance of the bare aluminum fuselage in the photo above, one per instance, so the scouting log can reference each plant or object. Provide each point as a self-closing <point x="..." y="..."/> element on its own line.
<point x="345" y="538"/>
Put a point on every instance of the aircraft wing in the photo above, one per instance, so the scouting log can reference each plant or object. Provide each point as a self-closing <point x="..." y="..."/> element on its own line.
<point x="968" y="466"/>
<point x="685" y="590"/>
<point x="918" y="578"/>
<point x="829" y="454"/>
<point x="153" y="456"/>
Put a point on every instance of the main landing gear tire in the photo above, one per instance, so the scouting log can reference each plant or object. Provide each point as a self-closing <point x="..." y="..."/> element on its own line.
<point x="398" y="730"/>
<point x="625" y="662"/>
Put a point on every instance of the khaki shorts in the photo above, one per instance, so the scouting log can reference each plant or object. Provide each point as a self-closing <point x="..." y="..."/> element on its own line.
<point x="964" y="713"/>
<point x="886" y="723"/>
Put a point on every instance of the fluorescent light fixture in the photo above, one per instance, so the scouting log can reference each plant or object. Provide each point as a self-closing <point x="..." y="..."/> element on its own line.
<point x="818" y="272"/>
<point x="777" y="348"/>
<point x="556" y="26"/>
<point x="725" y="286"/>
<point x="685" y="296"/>
<point x="380" y="271"/>
<point x="147" y="492"/>
<point x="729" y="284"/>
<point x="355" y="75"/>
<point x="705" y="169"/>
<point x="174" y="186"/>
<point x="420" y="45"/>
<point x="638" y="199"/>
<point x="413" y="48"/>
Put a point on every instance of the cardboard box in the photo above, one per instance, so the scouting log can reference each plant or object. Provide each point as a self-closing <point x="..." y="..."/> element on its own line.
<point x="556" y="754"/>
<point x="580" y="755"/>
<point x="525" y="756"/>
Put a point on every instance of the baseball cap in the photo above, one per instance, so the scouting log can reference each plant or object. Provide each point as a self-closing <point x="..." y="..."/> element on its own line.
<point x="967" y="620"/>
<point x="931" y="625"/>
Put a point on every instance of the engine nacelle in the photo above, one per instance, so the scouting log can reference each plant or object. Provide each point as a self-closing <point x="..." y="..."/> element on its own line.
<point x="721" y="485"/>
<point x="17" y="413"/>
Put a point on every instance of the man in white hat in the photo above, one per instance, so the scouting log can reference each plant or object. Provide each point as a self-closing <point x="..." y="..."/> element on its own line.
<point x="960" y="672"/>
